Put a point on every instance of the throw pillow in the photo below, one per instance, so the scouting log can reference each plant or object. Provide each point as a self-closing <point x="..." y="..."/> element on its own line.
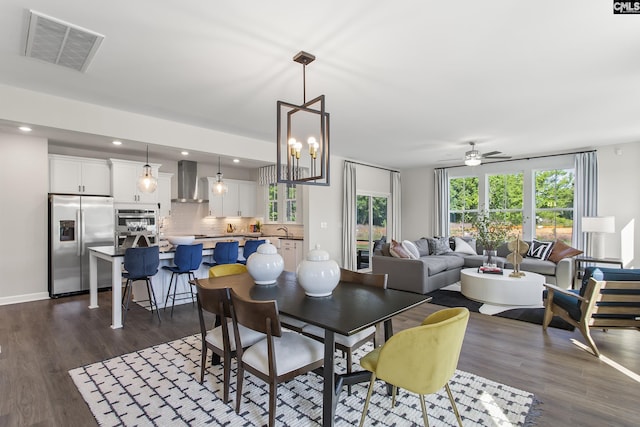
<point x="411" y="248"/>
<point x="461" y="246"/>
<point x="385" y="249"/>
<point x="540" y="250"/>
<point x="397" y="250"/>
<point x="561" y="250"/>
<point x="439" y="245"/>
<point x="423" y="246"/>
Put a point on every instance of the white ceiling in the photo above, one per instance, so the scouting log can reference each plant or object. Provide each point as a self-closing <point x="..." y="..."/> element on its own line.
<point x="407" y="83"/>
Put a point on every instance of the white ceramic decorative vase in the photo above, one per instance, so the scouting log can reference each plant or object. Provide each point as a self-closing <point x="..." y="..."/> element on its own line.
<point x="318" y="274"/>
<point x="265" y="264"/>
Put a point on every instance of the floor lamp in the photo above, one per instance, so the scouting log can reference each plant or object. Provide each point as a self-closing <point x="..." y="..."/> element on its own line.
<point x="597" y="226"/>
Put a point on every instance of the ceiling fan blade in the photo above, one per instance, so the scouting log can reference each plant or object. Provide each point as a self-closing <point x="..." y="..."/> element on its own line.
<point x="491" y="153"/>
<point x="496" y="157"/>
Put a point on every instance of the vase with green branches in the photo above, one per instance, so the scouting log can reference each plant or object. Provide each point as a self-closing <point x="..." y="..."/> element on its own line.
<point x="491" y="230"/>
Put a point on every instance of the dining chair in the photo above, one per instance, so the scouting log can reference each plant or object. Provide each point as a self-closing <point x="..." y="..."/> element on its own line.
<point x="227" y="270"/>
<point x="250" y="246"/>
<point x="348" y="343"/>
<point x="187" y="260"/>
<point x="220" y="339"/>
<point x="140" y="264"/>
<point x="224" y="253"/>
<point x="279" y="357"/>
<point x="421" y="359"/>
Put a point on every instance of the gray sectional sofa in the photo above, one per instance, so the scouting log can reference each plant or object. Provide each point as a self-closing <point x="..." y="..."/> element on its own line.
<point x="431" y="272"/>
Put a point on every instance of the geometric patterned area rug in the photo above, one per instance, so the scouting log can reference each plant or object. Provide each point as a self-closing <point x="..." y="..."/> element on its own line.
<point x="158" y="386"/>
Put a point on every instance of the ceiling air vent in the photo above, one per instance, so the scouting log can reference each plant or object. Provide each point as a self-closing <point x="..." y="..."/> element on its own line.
<point x="59" y="42"/>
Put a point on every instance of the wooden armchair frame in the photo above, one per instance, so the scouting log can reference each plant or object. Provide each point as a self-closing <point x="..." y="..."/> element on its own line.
<point x="605" y="304"/>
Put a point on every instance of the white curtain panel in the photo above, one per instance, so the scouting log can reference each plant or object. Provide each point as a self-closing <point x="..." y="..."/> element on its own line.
<point x="586" y="197"/>
<point x="396" y="206"/>
<point x="441" y="203"/>
<point x="349" y="217"/>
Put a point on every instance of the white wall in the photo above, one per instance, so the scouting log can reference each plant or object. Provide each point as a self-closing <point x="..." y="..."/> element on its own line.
<point x="618" y="196"/>
<point x="24" y="184"/>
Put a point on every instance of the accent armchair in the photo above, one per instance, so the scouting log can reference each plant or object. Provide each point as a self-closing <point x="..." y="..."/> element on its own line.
<point x="608" y="298"/>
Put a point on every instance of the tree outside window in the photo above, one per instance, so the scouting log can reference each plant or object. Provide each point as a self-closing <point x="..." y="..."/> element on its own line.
<point x="506" y="199"/>
<point x="463" y="204"/>
<point x="554" y="204"/>
<point x="272" y="203"/>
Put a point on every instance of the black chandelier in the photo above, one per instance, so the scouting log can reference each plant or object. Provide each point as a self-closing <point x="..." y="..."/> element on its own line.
<point x="308" y="122"/>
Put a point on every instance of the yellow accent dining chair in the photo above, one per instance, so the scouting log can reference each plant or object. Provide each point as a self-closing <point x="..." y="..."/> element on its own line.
<point x="421" y="359"/>
<point x="227" y="270"/>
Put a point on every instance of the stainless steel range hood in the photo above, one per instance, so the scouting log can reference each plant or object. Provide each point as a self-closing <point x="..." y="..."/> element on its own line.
<point x="188" y="183"/>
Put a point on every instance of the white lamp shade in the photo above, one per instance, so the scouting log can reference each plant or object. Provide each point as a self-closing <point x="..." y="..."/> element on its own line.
<point x="599" y="224"/>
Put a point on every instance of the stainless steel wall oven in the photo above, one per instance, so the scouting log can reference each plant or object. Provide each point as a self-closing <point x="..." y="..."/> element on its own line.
<point x="136" y="222"/>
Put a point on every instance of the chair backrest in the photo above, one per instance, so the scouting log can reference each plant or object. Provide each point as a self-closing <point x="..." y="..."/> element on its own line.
<point x="423" y="358"/>
<point x="612" y="304"/>
<point x="250" y="246"/>
<point x="616" y="274"/>
<point x="188" y="257"/>
<point x="215" y="301"/>
<point x="142" y="262"/>
<point x="377" y="280"/>
<point x="261" y="316"/>
<point x="227" y="270"/>
<point x="226" y="252"/>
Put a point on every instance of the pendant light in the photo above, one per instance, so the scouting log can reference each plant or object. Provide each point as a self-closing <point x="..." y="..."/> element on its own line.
<point x="220" y="186"/>
<point x="305" y="125"/>
<point x="147" y="183"/>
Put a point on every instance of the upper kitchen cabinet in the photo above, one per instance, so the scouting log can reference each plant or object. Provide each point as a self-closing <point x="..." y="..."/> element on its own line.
<point x="164" y="193"/>
<point x="124" y="182"/>
<point x="79" y="175"/>
<point x="240" y="199"/>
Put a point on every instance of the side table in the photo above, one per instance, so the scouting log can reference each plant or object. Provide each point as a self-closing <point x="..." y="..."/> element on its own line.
<point x="580" y="262"/>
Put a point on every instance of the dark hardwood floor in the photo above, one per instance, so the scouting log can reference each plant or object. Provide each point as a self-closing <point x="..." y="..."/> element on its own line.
<point x="41" y="341"/>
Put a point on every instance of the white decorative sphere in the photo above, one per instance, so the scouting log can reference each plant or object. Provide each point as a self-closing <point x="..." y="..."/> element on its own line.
<point x="265" y="264"/>
<point x="318" y="274"/>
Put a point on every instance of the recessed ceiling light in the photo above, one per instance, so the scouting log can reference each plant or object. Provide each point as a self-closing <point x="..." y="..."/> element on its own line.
<point x="236" y="161"/>
<point x="185" y="153"/>
<point x="25" y="128"/>
<point x="116" y="142"/>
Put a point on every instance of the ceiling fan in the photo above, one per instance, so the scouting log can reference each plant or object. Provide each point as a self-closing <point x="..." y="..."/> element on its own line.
<point x="473" y="157"/>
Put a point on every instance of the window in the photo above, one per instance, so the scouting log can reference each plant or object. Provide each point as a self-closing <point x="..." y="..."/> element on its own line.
<point x="506" y="198"/>
<point x="282" y="198"/>
<point x="463" y="204"/>
<point x="371" y="224"/>
<point x="554" y="204"/>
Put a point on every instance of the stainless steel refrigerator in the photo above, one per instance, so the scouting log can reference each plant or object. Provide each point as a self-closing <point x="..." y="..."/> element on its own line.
<point x="77" y="223"/>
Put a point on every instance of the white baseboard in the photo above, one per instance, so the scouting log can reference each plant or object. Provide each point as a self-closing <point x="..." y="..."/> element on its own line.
<point x="16" y="299"/>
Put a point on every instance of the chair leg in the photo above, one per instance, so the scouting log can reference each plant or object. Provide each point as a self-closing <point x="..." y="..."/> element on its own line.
<point x="273" y="397"/>
<point x="166" y="300"/>
<point x="548" y="312"/>
<point x="152" y="299"/>
<point x="239" y="381"/>
<point x="349" y="362"/>
<point x="191" y="276"/>
<point x="125" y="299"/>
<point x="586" y="333"/>
<point x="424" y="410"/>
<point x="453" y="404"/>
<point x="366" y="402"/>
<point x="203" y="361"/>
<point x="394" y="393"/>
<point x="226" y="378"/>
<point x="175" y="288"/>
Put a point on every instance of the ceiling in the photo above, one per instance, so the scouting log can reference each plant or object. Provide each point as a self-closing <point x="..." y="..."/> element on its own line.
<point x="407" y="83"/>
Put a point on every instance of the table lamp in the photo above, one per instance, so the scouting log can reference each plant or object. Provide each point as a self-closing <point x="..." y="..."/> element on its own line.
<point x="598" y="225"/>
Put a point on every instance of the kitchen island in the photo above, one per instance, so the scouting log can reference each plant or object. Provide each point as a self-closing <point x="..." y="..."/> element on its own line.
<point x="160" y="281"/>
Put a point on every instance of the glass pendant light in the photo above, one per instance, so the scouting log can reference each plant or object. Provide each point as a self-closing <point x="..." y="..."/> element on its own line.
<point x="220" y="187"/>
<point x="147" y="183"/>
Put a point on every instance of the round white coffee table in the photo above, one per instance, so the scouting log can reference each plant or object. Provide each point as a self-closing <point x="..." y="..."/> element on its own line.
<point x="502" y="289"/>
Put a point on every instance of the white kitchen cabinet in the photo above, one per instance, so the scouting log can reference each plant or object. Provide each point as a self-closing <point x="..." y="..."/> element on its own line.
<point x="164" y="193"/>
<point x="291" y="252"/>
<point x="240" y="199"/>
<point x="79" y="175"/>
<point x="124" y="182"/>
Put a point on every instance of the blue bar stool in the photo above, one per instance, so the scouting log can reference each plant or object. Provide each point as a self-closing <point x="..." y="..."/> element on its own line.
<point x="187" y="260"/>
<point x="250" y="246"/>
<point x="224" y="253"/>
<point x="140" y="264"/>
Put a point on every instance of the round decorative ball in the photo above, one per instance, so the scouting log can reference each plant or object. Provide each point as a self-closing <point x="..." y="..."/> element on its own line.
<point x="318" y="274"/>
<point x="265" y="264"/>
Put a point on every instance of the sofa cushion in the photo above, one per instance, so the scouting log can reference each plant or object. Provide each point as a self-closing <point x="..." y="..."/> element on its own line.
<point x="435" y="264"/>
<point x="411" y="248"/>
<point x="572" y="305"/>
<point x="439" y="246"/>
<point x="534" y="265"/>
<point x="398" y="251"/>
<point x="561" y="250"/>
<point x="462" y="246"/>
<point x="423" y="246"/>
<point x="385" y="250"/>
<point x="539" y="250"/>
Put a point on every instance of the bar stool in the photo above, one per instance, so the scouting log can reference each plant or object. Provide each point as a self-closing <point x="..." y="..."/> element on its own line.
<point x="224" y="253"/>
<point x="140" y="264"/>
<point x="250" y="246"/>
<point x="187" y="260"/>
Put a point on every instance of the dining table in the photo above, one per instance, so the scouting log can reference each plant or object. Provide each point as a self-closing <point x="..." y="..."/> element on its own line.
<point x="349" y="309"/>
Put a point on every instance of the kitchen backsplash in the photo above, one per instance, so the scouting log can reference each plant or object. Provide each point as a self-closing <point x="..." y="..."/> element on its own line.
<point x="192" y="218"/>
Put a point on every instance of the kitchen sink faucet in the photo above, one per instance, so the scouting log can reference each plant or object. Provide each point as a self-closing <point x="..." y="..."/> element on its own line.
<point x="286" y="231"/>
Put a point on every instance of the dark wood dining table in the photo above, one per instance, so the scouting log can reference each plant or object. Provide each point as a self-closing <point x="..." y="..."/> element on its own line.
<point x="349" y="309"/>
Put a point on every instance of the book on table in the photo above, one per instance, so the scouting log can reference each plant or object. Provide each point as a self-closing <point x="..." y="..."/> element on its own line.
<point x="489" y="270"/>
